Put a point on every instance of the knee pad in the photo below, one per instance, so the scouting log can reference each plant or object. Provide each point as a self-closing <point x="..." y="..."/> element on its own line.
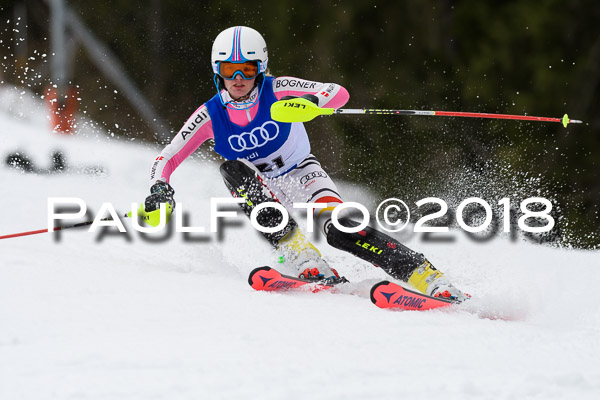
<point x="377" y="248"/>
<point x="243" y="181"/>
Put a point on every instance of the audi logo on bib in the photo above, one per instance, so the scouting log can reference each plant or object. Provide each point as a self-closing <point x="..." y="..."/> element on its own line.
<point x="256" y="138"/>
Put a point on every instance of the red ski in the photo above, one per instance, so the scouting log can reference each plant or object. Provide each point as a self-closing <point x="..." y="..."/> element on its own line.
<point x="269" y="279"/>
<point x="386" y="294"/>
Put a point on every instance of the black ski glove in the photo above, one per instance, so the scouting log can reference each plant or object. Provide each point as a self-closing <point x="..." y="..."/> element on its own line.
<point x="161" y="192"/>
<point x="310" y="97"/>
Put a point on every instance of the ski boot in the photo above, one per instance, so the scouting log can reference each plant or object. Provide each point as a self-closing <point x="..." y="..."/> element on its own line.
<point x="296" y="249"/>
<point x="428" y="280"/>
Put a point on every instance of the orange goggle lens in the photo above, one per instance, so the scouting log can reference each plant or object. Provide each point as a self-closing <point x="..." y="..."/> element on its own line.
<point x="228" y="70"/>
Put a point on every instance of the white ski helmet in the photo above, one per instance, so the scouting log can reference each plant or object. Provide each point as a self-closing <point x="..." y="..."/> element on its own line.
<point x="239" y="44"/>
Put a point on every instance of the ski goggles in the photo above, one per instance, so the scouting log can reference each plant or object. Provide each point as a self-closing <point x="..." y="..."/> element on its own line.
<point x="247" y="70"/>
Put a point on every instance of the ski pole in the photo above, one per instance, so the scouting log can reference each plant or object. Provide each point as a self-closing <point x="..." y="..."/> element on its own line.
<point x="56" y="228"/>
<point x="152" y="218"/>
<point x="302" y="110"/>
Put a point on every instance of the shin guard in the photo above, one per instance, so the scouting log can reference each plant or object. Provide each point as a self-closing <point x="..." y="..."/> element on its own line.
<point x="244" y="182"/>
<point x="377" y="248"/>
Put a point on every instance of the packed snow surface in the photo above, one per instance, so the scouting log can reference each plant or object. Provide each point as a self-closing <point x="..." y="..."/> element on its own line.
<point x="111" y="315"/>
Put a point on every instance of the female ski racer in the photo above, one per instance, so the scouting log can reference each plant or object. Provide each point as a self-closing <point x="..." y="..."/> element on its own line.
<point x="270" y="160"/>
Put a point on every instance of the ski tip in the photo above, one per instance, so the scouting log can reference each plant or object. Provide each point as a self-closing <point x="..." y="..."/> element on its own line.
<point x="374" y="288"/>
<point x="391" y="296"/>
<point x="254" y="271"/>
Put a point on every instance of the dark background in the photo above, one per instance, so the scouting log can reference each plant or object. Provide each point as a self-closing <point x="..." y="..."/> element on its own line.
<point x="517" y="57"/>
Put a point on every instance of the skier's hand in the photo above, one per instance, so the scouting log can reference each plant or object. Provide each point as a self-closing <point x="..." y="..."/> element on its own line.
<point x="160" y="192"/>
<point x="310" y="97"/>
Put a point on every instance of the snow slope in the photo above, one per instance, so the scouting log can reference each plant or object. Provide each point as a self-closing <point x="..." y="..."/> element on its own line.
<point x="122" y="316"/>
